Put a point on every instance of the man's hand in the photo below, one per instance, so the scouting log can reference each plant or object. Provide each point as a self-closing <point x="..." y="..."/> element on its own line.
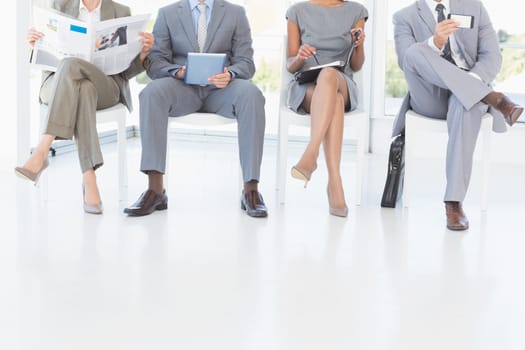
<point x="181" y="73"/>
<point x="221" y="80"/>
<point x="443" y="31"/>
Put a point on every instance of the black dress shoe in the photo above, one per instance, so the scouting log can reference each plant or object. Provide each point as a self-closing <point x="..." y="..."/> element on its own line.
<point x="147" y="203"/>
<point x="253" y="203"/>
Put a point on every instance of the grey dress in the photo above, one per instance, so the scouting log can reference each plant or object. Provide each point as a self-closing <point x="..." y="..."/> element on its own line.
<point x="328" y="30"/>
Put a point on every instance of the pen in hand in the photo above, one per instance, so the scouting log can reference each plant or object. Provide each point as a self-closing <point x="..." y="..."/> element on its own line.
<point x="316" y="60"/>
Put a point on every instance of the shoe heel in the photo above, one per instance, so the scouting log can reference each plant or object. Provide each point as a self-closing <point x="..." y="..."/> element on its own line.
<point x="162" y="206"/>
<point x="297" y="174"/>
<point x="243" y="207"/>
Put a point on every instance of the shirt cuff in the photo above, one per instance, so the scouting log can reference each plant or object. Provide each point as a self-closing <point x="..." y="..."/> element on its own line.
<point x="232" y="73"/>
<point x="173" y="72"/>
<point x="430" y="43"/>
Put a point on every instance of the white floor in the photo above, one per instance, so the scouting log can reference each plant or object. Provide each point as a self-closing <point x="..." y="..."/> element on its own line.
<point x="203" y="275"/>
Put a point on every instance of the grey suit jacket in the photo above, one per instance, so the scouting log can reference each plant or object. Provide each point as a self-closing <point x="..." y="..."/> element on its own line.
<point x="478" y="46"/>
<point x="228" y="32"/>
<point x="108" y="10"/>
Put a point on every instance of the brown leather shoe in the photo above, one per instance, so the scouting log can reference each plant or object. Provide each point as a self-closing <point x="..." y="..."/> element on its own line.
<point x="456" y="218"/>
<point x="253" y="203"/>
<point x="147" y="203"/>
<point x="511" y="111"/>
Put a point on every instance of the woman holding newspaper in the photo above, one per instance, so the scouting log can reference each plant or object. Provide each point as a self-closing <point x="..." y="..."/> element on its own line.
<point x="75" y="92"/>
<point x="328" y="33"/>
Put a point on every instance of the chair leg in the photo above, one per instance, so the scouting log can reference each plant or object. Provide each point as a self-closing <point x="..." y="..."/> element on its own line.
<point x="282" y="154"/>
<point x="168" y="156"/>
<point x="485" y="165"/>
<point x="409" y="169"/>
<point x="122" y="157"/>
<point x="360" y="159"/>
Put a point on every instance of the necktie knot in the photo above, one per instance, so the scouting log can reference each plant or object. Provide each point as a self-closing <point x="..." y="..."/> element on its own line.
<point x="202" y="7"/>
<point x="440" y="8"/>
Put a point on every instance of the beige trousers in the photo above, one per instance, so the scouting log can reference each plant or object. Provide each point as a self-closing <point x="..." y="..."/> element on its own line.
<point x="73" y="95"/>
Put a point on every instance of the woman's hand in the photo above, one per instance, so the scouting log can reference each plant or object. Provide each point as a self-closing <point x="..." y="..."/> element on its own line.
<point x="33" y="36"/>
<point x="147" y="41"/>
<point x="305" y="51"/>
<point x="360" y="36"/>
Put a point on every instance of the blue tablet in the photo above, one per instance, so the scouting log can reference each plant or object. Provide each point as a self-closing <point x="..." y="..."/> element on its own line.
<point x="201" y="66"/>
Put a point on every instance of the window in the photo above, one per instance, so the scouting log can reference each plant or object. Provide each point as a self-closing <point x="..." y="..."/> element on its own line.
<point x="511" y="34"/>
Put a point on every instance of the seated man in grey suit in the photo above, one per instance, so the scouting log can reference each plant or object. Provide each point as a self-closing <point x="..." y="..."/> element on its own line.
<point x="449" y="71"/>
<point x="214" y="26"/>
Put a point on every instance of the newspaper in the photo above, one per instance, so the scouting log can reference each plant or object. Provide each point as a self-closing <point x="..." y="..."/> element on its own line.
<point x="110" y="45"/>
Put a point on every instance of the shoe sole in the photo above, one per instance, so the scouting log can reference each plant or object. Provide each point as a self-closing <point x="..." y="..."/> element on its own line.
<point x="296" y="174"/>
<point x="24" y="177"/>
<point x="514" y="115"/>
<point x="162" y="206"/>
<point x="452" y="228"/>
<point x="253" y="215"/>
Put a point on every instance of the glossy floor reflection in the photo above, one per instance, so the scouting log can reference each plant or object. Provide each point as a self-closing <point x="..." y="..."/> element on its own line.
<point x="203" y="275"/>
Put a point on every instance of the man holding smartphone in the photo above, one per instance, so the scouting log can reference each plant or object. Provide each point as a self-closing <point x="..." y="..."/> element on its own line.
<point x="449" y="65"/>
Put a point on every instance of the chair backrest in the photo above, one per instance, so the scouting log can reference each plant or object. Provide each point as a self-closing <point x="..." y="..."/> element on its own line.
<point x="286" y="77"/>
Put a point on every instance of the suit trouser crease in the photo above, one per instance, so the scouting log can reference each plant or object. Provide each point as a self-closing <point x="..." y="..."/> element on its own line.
<point x="73" y="94"/>
<point x="168" y="97"/>
<point x="438" y="89"/>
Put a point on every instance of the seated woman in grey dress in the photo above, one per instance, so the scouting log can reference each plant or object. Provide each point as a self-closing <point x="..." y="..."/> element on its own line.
<point x="319" y="32"/>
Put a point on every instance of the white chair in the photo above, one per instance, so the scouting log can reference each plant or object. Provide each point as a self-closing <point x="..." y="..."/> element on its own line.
<point x="356" y="123"/>
<point x="417" y="130"/>
<point x="116" y="114"/>
<point x="201" y="120"/>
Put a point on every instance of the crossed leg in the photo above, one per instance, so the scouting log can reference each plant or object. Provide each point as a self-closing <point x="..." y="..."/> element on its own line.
<point x="325" y="101"/>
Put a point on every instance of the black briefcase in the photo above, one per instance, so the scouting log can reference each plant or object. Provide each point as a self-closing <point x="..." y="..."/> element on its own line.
<point x="396" y="170"/>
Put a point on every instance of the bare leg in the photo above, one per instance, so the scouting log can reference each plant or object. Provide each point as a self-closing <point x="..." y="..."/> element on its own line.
<point x="35" y="162"/>
<point x="320" y="101"/>
<point x="332" y="146"/>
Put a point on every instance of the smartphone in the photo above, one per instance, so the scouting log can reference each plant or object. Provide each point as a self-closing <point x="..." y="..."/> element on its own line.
<point x="465" y="21"/>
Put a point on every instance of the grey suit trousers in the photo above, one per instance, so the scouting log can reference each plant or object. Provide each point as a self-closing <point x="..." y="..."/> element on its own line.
<point x="169" y="97"/>
<point x="73" y="95"/>
<point x="439" y="89"/>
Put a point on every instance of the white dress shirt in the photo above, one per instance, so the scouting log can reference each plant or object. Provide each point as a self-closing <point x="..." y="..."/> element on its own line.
<point x="460" y="62"/>
<point x="86" y="16"/>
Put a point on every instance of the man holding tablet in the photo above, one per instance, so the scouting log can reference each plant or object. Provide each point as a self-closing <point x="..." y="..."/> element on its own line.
<point x="449" y="65"/>
<point x="211" y="26"/>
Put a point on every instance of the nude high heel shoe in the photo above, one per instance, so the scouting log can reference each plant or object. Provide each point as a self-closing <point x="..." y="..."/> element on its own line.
<point x="302" y="174"/>
<point x="96" y="209"/>
<point x="341" y="212"/>
<point x="27" y="174"/>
